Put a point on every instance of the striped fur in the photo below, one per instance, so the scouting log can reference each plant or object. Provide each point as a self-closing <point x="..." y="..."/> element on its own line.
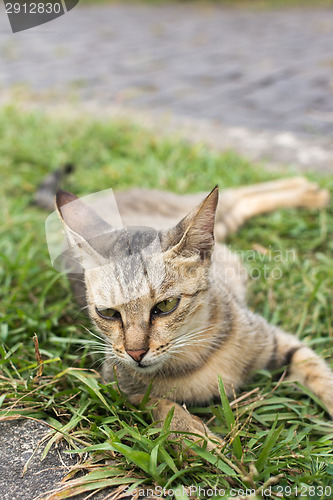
<point x="211" y="332"/>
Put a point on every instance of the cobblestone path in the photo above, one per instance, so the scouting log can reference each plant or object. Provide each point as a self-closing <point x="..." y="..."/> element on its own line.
<point x="265" y="70"/>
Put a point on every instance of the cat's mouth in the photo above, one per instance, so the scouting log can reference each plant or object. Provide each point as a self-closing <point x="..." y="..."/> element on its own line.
<point x="148" y="367"/>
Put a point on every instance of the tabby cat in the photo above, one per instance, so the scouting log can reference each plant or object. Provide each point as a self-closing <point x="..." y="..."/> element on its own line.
<point x="185" y="324"/>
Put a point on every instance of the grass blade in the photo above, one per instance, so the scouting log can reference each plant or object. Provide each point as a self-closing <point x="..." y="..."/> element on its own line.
<point x="230" y="419"/>
<point x="268" y="445"/>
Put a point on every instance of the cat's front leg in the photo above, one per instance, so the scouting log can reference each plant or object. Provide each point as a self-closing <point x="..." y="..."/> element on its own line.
<point x="182" y="421"/>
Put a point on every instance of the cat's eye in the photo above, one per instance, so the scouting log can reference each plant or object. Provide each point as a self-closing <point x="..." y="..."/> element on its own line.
<point x="108" y="313"/>
<point x="166" y="306"/>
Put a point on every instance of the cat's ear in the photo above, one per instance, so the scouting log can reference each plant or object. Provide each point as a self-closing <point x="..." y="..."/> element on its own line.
<point x="195" y="233"/>
<point x="83" y="228"/>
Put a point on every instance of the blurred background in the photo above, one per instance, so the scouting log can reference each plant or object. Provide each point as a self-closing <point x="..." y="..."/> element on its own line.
<point x="254" y="76"/>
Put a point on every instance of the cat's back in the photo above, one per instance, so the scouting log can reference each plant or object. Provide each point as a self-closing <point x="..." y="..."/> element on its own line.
<point x="153" y="208"/>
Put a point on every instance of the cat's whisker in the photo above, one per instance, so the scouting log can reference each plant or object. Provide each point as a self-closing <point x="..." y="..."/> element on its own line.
<point x="199" y="337"/>
<point x="89" y="345"/>
<point x="94" y="334"/>
<point x="99" y="362"/>
<point x="195" y="334"/>
<point x="90" y="342"/>
<point x="78" y="280"/>
<point x="193" y="338"/>
<point x="97" y="352"/>
<point x="189" y="345"/>
<point x="84" y="307"/>
<point x="184" y="349"/>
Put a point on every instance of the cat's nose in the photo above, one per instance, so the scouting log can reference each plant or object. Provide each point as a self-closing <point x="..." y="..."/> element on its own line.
<point x="137" y="355"/>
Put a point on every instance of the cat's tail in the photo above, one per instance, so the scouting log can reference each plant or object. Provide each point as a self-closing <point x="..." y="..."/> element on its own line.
<point x="46" y="191"/>
<point x="237" y="205"/>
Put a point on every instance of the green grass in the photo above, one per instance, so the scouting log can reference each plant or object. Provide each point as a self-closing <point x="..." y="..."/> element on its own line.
<point x="277" y="436"/>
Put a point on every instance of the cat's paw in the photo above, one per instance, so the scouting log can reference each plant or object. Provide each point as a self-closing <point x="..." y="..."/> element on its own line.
<point x="183" y="421"/>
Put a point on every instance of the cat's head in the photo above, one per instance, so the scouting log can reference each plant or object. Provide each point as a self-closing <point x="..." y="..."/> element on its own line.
<point x="147" y="291"/>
